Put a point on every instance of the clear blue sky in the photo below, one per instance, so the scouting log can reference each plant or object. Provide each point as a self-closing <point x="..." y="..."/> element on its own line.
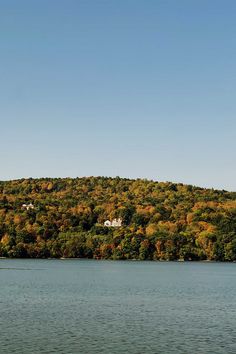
<point x="135" y="88"/>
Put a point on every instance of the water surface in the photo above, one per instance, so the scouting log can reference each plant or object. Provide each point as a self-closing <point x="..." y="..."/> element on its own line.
<point x="86" y="306"/>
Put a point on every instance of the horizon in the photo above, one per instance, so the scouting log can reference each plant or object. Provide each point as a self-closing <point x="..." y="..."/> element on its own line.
<point x="114" y="177"/>
<point x="130" y="88"/>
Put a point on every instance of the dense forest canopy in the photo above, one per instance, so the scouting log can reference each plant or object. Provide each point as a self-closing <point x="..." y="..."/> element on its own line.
<point x="160" y="221"/>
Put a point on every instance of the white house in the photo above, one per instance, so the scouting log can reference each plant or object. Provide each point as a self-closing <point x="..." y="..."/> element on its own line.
<point x="28" y="206"/>
<point x="113" y="223"/>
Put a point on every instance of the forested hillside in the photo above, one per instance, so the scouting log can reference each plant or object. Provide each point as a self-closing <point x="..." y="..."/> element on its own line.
<point x="160" y="221"/>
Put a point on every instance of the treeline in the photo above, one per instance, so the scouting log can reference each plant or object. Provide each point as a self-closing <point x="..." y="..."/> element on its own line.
<point x="161" y="221"/>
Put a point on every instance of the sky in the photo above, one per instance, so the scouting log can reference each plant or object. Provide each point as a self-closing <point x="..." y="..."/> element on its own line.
<point x="130" y="88"/>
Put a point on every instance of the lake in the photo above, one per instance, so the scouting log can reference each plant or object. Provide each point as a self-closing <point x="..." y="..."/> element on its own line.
<point x="88" y="306"/>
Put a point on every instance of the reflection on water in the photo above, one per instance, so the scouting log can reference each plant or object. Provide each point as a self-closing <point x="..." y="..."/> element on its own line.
<point x="85" y="306"/>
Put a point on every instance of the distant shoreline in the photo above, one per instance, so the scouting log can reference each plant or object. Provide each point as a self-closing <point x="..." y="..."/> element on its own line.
<point x="116" y="218"/>
<point x="119" y="260"/>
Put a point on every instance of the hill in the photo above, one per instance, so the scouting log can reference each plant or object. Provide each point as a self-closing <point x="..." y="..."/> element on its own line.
<point x="160" y="221"/>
